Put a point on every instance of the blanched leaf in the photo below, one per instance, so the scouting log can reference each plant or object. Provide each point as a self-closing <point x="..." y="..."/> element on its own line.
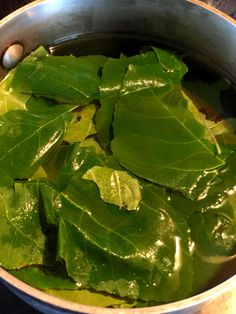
<point x="39" y="173"/>
<point x="75" y="160"/>
<point x="81" y="125"/>
<point x="146" y="79"/>
<point x="56" y="282"/>
<point x="113" y="74"/>
<point x="22" y="241"/>
<point x="208" y="125"/>
<point x="10" y="99"/>
<point x="49" y="194"/>
<point x="45" y="278"/>
<point x="92" y="142"/>
<point x="212" y="219"/>
<point x="207" y="95"/>
<point x="27" y="139"/>
<point x="66" y="232"/>
<point x="225" y="132"/>
<point x="5" y="179"/>
<point x="66" y="79"/>
<point x="214" y="232"/>
<point x="129" y="254"/>
<point x="211" y="272"/>
<point x="172" y="64"/>
<point x="92" y="298"/>
<point x="157" y="138"/>
<point x="218" y="192"/>
<point x="116" y="187"/>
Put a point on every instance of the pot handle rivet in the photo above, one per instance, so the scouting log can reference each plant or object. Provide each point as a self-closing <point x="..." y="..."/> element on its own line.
<point x="12" y="56"/>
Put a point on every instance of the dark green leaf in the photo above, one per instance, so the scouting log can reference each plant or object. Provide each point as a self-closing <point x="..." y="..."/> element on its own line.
<point x="217" y="194"/>
<point x="93" y="298"/>
<point x="48" y="194"/>
<point x="214" y="232"/>
<point x="45" y="278"/>
<point x="113" y="74"/>
<point x="22" y="241"/>
<point x="142" y="254"/>
<point x="66" y="79"/>
<point x="27" y="139"/>
<point x="75" y="160"/>
<point x="158" y="138"/>
<point x="206" y="95"/>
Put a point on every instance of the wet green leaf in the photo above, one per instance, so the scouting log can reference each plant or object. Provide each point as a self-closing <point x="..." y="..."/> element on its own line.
<point x="158" y="138"/>
<point x="81" y="125"/>
<point x="22" y="241"/>
<point x="116" y="187"/>
<point x="130" y="254"/>
<point x="66" y="79"/>
<point x="27" y="139"/>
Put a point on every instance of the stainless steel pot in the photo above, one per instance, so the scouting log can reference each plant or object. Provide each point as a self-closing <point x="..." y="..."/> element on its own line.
<point x="188" y="25"/>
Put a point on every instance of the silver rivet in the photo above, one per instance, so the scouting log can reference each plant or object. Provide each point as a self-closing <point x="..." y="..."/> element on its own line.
<point x="12" y="56"/>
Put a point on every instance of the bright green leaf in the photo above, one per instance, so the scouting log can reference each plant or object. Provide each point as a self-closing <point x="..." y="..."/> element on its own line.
<point x="116" y="187"/>
<point x="66" y="79"/>
<point x="81" y="126"/>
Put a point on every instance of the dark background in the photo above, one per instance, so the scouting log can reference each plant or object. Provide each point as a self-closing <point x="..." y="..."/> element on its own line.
<point x="10" y="304"/>
<point x="7" y="6"/>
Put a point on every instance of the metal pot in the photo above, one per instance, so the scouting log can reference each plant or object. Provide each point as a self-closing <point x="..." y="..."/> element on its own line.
<point x="188" y="25"/>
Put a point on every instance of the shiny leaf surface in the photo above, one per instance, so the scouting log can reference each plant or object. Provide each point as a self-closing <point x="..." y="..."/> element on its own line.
<point x="131" y="254"/>
<point x="27" y="139"/>
<point x="116" y="187"/>
<point x="157" y="138"/>
<point x="22" y="241"/>
<point x="66" y="79"/>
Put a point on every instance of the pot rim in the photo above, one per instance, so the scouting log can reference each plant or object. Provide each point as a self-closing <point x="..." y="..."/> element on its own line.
<point x="62" y="304"/>
<point x="37" y="294"/>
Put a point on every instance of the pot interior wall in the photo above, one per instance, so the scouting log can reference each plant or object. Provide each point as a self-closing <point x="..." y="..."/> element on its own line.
<point x="181" y="24"/>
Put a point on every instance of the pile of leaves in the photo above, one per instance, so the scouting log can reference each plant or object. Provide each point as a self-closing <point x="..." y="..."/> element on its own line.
<point x="115" y="187"/>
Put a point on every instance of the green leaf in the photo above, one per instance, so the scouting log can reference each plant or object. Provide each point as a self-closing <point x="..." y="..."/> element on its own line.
<point x="39" y="173"/>
<point x="171" y="63"/>
<point x="207" y="95"/>
<point x="92" y="142"/>
<point x="27" y="139"/>
<point x="116" y="187"/>
<point x="113" y="74"/>
<point x="75" y="160"/>
<point x="81" y="126"/>
<point x="212" y="274"/>
<point x="66" y="79"/>
<point x="129" y="254"/>
<point x="158" y="138"/>
<point x="10" y="99"/>
<point x="92" y="298"/>
<point x="57" y="283"/>
<point x="22" y="241"/>
<point x="218" y="192"/>
<point x="214" y="232"/>
<point x="45" y="278"/>
<point x="49" y="194"/>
